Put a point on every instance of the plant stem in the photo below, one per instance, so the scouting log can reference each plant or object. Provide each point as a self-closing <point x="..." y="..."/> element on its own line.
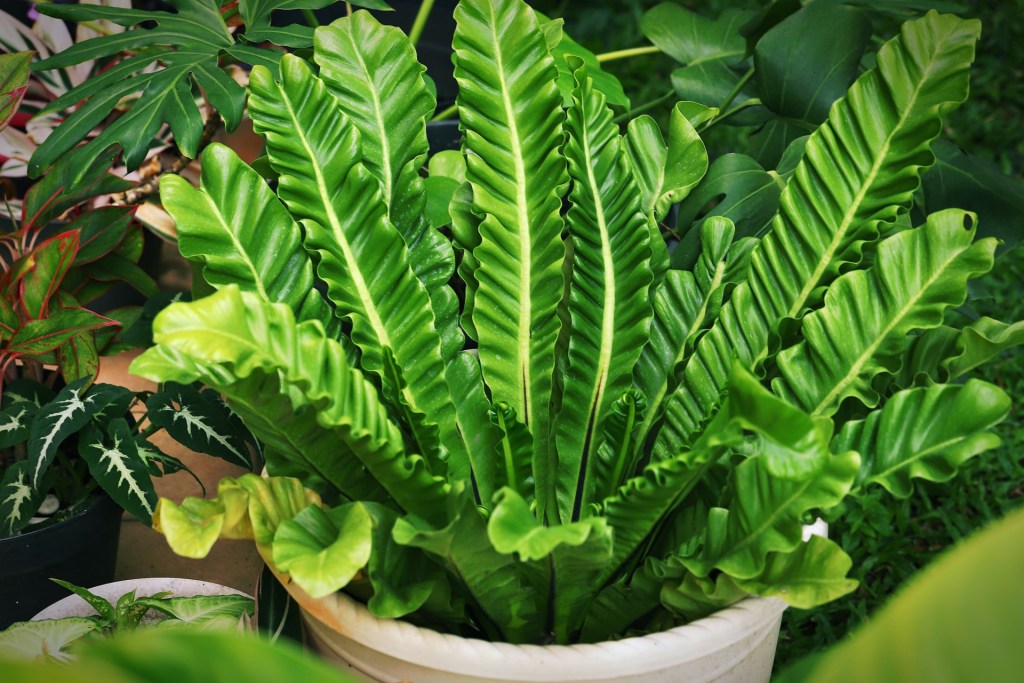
<point x="736" y="89"/>
<point x="624" y="54"/>
<point x="311" y="17"/>
<point x="647" y="106"/>
<point x="139" y="193"/>
<point x="420" y="22"/>
<point x="446" y="113"/>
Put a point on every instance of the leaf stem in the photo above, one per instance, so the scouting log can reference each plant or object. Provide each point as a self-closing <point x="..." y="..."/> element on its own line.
<point x="445" y="114"/>
<point x="625" y="54"/>
<point x="647" y="106"/>
<point x="421" y="21"/>
<point x="311" y="17"/>
<point x="736" y="90"/>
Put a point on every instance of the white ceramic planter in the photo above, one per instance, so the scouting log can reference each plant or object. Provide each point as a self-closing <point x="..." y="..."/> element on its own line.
<point x="735" y="645"/>
<point x="74" y="606"/>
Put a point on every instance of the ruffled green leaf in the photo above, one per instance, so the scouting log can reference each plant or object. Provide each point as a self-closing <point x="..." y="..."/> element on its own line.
<point x="518" y="177"/>
<point x="564" y="49"/>
<point x="323" y="549"/>
<point x="240" y="232"/>
<point x="512" y="449"/>
<point x="509" y="605"/>
<point x="249" y="507"/>
<point x="513" y="528"/>
<point x="766" y="514"/>
<point x="696" y="597"/>
<point x="863" y="327"/>
<point x="475" y="416"/>
<point x="608" y="306"/>
<point x="361" y="256"/>
<point x="372" y="69"/>
<point x="943" y="353"/>
<point x="859" y="170"/>
<point x="926" y="433"/>
<point x="811" y="575"/>
<point x="620" y="448"/>
<point x="231" y="336"/>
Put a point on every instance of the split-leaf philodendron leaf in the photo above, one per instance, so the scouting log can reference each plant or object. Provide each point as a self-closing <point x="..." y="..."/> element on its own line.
<point x="626" y="444"/>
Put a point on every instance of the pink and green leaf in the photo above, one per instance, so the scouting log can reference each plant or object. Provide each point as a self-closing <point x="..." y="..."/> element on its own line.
<point x="51" y="261"/>
<point x="14" y="73"/>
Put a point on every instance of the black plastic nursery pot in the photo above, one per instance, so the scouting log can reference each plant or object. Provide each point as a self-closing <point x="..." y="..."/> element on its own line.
<point x="82" y="550"/>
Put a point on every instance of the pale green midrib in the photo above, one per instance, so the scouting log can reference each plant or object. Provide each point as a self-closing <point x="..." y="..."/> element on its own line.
<point x="844" y="226"/>
<point x="931" y="450"/>
<point x="608" y="314"/>
<point x="659" y="397"/>
<point x="336" y="229"/>
<point x="884" y="333"/>
<point x="244" y="255"/>
<point x="522" y="211"/>
<point x="385" y="142"/>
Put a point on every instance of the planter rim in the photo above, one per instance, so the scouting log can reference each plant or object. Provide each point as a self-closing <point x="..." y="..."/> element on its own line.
<point x="467" y="656"/>
<point x="94" y="501"/>
<point x="74" y="606"/>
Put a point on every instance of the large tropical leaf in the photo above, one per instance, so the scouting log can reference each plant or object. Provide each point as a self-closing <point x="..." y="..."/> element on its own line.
<point x="240" y="232"/>
<point x="372" y="69"/>
<point x="362" y="257"/>
<point x="241" y="336"/>
<point x="510" y="111"/>
<point x="927" y="432"/>
<point x="859" y="170"/>
<point x="862" y="329"/>
<point x="609" y="302"/>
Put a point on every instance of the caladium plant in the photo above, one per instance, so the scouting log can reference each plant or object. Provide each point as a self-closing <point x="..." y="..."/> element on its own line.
<point x="583" y="442"/>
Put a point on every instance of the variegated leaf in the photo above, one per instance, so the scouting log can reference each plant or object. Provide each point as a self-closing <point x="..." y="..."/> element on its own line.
<point x="18" y="499"/>
<point x="198" y="423"/>
<point x="15" y="422"/>
<point x="26" y="391"/>
<point x="63" y="416"/>
<point x="115" y="463"/>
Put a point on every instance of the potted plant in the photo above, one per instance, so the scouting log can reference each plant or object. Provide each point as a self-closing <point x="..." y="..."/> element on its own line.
<point x="627" y="448"/>
<point x="72" y="454"/>
<point x="123" y="606"/>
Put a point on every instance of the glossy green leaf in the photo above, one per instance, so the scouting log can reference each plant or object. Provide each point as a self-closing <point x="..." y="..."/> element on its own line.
<point x="372" y="70"/>
<point x="512" y="451"/>
<point x="811" y="575"/>
<point x="926" y="433"/>
<point x="475" y="417"/>
<point x="370" y="282"/>
<point x="563" y="49"/>
<point x="203" y="612"/>
<point x="100" y="232"/>
<point x="620" y="447"/>
<point x="513" y="528"/>
<point x="323" y="550"/>
<point x="790" y="78"/>
<point x="67" y="184"/>
<point x="712" y="82"/>
<point x="690" y="38"/>
<point x="518" y="176"/>
<point x="240" y="232"/>
<point x="862" y="328"/>
<point x="103" y="608"/>
<point x="608" y="305"/>
<point x="827" y="214"/>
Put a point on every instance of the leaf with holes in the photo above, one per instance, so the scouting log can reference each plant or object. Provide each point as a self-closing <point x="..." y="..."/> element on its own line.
<point x="197" y="423"/>
<point x="115" y="463"/>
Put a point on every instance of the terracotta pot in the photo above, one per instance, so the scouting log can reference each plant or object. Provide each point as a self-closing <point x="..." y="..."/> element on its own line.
<point x="735" y="645"/>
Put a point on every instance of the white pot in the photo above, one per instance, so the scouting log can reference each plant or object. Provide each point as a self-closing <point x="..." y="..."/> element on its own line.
<point x="734" y="645"/>
<point x="74" y="606"/>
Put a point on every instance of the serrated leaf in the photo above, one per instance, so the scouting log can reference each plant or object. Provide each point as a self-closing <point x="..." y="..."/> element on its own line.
<point x="197" y="423"/>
